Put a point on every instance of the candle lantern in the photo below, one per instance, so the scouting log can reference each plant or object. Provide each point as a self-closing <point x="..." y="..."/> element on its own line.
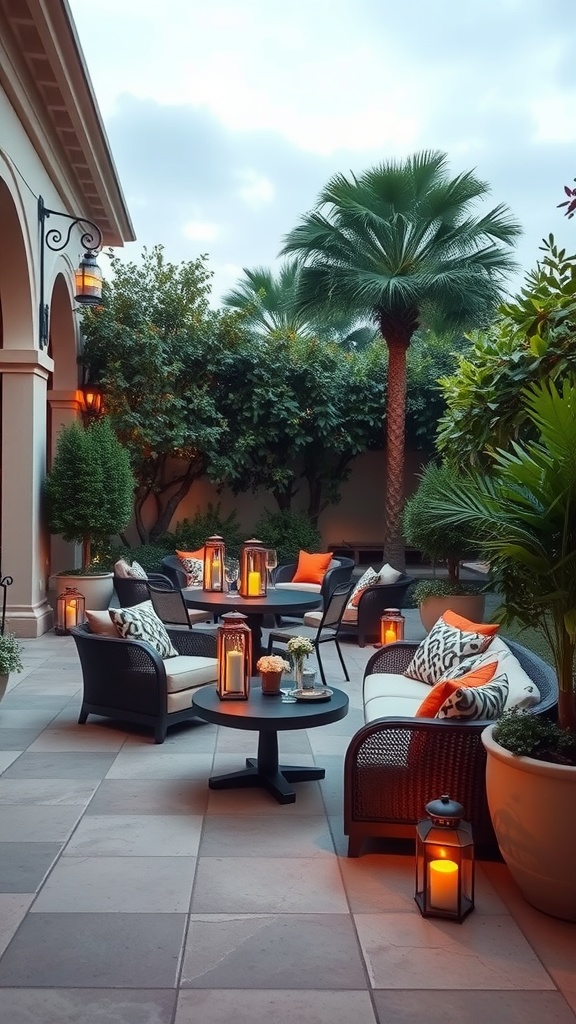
<point x="391" y="626"/>
<point x="69" y="611"/>
<point x="444" y="862"/>
<point x="252" y="582"/>
<point x="214" y="555"/>
<point x="234" y="657"/>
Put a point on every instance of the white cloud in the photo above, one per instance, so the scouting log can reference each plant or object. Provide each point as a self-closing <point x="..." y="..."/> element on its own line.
<point x="256" y="190"/>
<point x="201" y="231"/>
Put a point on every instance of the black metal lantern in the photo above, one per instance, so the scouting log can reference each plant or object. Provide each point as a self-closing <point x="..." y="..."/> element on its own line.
<point x="91" y="400"/>
<point x="444" y="862"/>
<point x="253" y="572"/>
<point x="214" y="555"/>
<point x="88" y="280"/>
<point x="70" y="608"/>
<point x="234" y="654"/>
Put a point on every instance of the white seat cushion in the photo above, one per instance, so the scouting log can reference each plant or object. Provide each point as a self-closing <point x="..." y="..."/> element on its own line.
<point x="386" y="693"/>
<point x="350" y="615"/>
<point x="312" y="588"/>
<point x="195" y="615"/>
<point x="313" y="619"/>
<point x="187" y="671"/>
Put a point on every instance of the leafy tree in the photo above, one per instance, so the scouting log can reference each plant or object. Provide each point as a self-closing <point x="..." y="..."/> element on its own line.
<point x="288" y="532"/>
<point x="533" y="339"/>
<point x="569" y="203"/>
<point x="431" y="356"/>
<point x="400" y="244"/>
<point x="89" y="488"/>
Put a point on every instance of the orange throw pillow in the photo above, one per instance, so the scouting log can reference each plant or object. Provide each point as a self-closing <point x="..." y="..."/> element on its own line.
<point x="311" y="568"/>
<point x="444" y="688"/>
<point x="458" y="622"/>
<point x="199" y="555"/>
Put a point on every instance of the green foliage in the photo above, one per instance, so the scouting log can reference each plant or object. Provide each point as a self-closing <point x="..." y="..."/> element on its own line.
<point x="441" y="588"/>
<point x="422" y="528"/>
<point x="534" y="736"/>
<point x="90" y="486"/>
<point x="10" y="654"/>
<point x="432" y="355"/>
<point x="190" y="534"/>
<point x="148" y="555"/>
<point x="533" y="339"/>
<point x="288" y="532"/>
<point x="523" y="515"/>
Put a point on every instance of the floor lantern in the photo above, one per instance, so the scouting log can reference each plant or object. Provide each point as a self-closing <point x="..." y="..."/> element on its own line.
<point x="444" y="862"/>
<point x="391" y="626"/>
<point x="214" y="555"/>
<point x="234" y="657"/>
<point x="253" y="572"/>
<point x="69" y="611"/>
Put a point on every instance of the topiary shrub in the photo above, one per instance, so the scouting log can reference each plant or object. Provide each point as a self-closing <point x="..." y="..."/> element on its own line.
<point x="190" y="534"/>
<point x="288" y="532"/>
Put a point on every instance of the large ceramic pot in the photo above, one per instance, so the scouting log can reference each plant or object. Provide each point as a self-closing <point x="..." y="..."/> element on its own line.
<point x="469" y="606"/>
<point x="97" y="591"/>
<point x="532" y="809"/>
<point x="4" y="677"/>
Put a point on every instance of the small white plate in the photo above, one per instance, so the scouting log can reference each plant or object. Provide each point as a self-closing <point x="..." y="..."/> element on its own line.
<point x="323" y="694"/>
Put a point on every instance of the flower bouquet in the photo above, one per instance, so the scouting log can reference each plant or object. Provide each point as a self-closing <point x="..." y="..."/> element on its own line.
<point x="299" y="647"/>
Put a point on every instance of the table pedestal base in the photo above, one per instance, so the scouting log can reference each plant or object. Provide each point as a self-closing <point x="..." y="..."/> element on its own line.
<point x="265" y="771"/>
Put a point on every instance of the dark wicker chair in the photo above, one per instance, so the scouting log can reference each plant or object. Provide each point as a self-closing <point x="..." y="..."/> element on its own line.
<point x="133" y="591"/>
<point x="325" y="632"/>
<point x="388" y="781"/>
<point x="126" y="679"/>
<point x="373" y="601"/>
<point x="174" y="570"/>
<point x="333" y="578"/>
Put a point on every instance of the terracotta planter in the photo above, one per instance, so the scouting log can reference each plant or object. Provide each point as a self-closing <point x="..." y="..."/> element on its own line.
<point x="271" y="682"/>
<point x="532" y="809"/>
<point x="470" y="606"/>
<point x="97" y="591"/>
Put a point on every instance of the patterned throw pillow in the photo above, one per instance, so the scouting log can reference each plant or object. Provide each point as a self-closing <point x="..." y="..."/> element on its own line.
<point x="136" y="572"/>
<point x="194" y="569"/>
<point x="477" y="702"/>
<point x="142" y="623"/>
<point x="445" y="688"/>
<point x="443" y="648"/>
<point x="369" y="579"/>
<point x="522" y="692"/>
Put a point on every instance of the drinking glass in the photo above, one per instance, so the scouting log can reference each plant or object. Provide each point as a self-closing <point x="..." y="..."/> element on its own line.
<point x="271" y="564"/>
<point x="231" y="572"/>
<point x="287" y="687"/>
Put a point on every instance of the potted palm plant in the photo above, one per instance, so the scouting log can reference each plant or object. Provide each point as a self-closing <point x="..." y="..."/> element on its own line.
<point x="88" y="496"/>
<point x="525" y="514"/>
<point x="440" y="541"/>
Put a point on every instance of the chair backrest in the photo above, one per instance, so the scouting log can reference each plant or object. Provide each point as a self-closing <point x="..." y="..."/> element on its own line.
<point x="336" y="607"/>
<point x="130" y="591"/>
<point x="172" y="566"/>
<point x="169" y="606"/>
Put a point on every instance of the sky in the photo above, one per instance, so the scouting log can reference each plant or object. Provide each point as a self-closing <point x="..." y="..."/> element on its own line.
<point x="227" y="117"/>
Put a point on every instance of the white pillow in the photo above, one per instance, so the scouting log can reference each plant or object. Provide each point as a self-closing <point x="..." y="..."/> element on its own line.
<point x="389" y="575"/>
<point x="136" y="572"/>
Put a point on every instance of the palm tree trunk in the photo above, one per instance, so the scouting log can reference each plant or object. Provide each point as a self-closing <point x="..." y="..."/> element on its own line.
<point x="394" y="549"/>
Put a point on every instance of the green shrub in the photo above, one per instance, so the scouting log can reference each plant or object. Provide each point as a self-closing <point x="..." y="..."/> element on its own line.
<point x="529" y="735"/>
<point x="10" y="654"/>
<point x="148" y="555"/>
<point x="425" y="531"/>
<point x="288" y="532"/>
<point x="190" y="534"/>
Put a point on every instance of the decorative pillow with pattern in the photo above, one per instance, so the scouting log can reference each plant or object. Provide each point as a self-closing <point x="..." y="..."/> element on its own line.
<point x="369" y="579"/>
<point x="522" y="691"/>
<point x="194" y="569"/>
<point x="443" y="648"/>
<point x="477" y="702"/>
<point x="136" y="572"/>
<point x="141" y="623"/>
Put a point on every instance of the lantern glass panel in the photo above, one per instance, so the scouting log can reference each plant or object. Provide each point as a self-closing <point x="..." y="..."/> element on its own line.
<point x="234" y="642"/>
<point x="253" y="573"/>
<point x="70" y="608"/>
<point x="444" y="868"/>
<point x="214" y="555"/>
<point x="391" y="626"/>
<point x="88" y="279"/>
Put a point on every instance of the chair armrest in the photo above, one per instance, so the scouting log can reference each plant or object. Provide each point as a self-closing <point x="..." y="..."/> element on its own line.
<point x="193" y="641"/>
<point x="160" y="581"/>
<point x="391" y="658"/>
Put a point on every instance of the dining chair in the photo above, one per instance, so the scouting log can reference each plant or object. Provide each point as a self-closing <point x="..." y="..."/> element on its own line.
<point x="325" y="631"/>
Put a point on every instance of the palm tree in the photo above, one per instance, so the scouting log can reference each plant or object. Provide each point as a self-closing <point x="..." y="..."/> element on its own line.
<point x="399" y="244"/>
<point x="268" y="302"/>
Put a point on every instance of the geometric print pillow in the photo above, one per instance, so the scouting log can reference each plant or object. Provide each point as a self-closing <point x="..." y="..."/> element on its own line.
<point x="442" y="649"/>
<point x="370" y="579"/>
<point x="480" y="702"/>
<point x="522" y="692"/>
<point x="141" y="623"/>
<point x="194" y="569"/>
<point x="136" y="572"/>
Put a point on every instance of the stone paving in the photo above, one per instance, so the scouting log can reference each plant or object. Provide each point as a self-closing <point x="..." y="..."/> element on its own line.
<point x="131" y="893"/>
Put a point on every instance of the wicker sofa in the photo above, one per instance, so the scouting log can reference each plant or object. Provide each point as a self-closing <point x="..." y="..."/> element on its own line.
<point x="395" y="765"/>
<point x="127" y="680"/>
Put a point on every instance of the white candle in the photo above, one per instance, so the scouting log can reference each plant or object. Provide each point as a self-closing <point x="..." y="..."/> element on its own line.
<point x="253" y="584"/>
<point x="216" y="573"/>
<point x="70" y="614"/>
<point x="234" y="672"/>
<point x="444" y="885"/>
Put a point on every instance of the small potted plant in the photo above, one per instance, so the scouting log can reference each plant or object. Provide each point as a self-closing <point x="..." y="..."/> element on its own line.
<point x="10" y="658"/>
<point x="89" y="493"/>
<point x="440" y="542"/>
<point x="271" y="667"/>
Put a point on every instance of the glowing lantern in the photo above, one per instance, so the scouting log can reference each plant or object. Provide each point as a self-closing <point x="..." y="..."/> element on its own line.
<point x="252" y="581"/>
<point x="214" y="555"/>
<point x="69" y="611"/>
<point x="234" y="657"/>
<point x="444" y="862"/>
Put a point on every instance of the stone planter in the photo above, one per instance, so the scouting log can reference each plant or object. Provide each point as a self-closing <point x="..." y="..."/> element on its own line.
<point x="270" y="682"/>
<point x="97" y="591"/>
<point x="469" y="606"/>
<point x="4" y="677"/>
<point x="532" y="809"/>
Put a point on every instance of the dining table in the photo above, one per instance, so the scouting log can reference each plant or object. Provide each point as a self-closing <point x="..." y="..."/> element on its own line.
<point x="276" y="602"/>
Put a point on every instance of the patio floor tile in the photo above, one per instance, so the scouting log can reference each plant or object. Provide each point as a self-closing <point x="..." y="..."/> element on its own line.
<point x="136" y="835"/>
<point x="233" y="836"/>
<point x="474" y="1007"/>
<point x="88" y="1006"/>
<point x="68" y="765"/>
<point x="130" y="885"/>
<point x="262" y="885"/>
<point x="285" y="1007"/>
<point x="157" y="763"/>
<point x="37" y="823"/>
<point x="13" y="907"/>
<point x="45" y="791"/>
<point x="24" y="865"/>
<point x="147" y="796"/>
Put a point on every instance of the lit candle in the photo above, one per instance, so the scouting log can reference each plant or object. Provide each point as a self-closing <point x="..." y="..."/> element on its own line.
<point x="444" y="885"/>
<point x="216" y="573"/>
<point x="70" y="614"/>
<point x="234" y="672"/>
<point x="389" y="636"/>
<point x="253" y="584"/>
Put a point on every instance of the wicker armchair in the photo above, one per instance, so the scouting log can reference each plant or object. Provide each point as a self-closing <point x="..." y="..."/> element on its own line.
<point x="371" y="606"/>
<point x="127" y="679"/>
<point x="393" y="766"/>
<point x="131" y="591"/>
<point x="341" y="573"/>
<point x="174" y="570"/>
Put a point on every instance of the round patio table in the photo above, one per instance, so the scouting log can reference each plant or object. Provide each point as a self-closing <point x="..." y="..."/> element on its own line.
<point x="276" y="602"/>
<point x="269" y="715"/>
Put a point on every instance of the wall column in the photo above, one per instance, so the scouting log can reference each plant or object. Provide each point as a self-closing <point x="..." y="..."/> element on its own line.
<point x="25" y="550"/>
